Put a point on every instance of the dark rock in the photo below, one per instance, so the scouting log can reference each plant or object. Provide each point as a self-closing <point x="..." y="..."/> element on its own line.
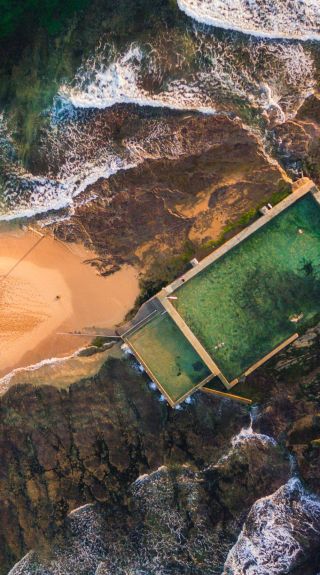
<point x="174" y="521"/>
<point x="62" y="448"/>
<point x="216" y="174"/>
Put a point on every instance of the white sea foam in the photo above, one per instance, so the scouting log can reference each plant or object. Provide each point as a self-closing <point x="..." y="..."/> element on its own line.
<point x="292" y="19"/>
<point x="23" y="373"/>
<point x="80" y="553"/>
<point x="6" y="380"/>
<point x="23" y="565"/>
<point x="247" y="434"/>
<point x="266" y="75"/>
<point x="101" y="83"/>
<point x="26" y="195"/>
<point x="245" y="437"/>
<point x="201" y="73"/>
<point x="278" y="531"/>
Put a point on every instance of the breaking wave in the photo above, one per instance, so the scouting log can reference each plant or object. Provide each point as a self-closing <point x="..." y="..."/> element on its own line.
<point x="246" y="438"/>
<point x="193" y="71"/>
<point x="81" y="554"/>
<point x="24" y="194"/>
<point x="59" y="371"/>
<point x="247" y="435"/>
<point x="104" y="81"/>
<point x="172" y="526"/>
<point x="279" y="530"/>
<point x="202" y="73"/>
<point x="292" y="19"/>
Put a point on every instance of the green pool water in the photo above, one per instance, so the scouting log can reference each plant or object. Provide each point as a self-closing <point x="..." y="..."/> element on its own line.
<point x="169" y="356"/>
<point x="240" y="306"/>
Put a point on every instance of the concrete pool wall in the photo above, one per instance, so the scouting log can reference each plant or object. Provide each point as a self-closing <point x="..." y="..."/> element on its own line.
<point x="306" y="188"/>
<point x="163" y="301"/>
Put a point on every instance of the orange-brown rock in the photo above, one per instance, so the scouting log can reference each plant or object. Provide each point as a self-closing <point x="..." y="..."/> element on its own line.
<point x="214" y="172"/>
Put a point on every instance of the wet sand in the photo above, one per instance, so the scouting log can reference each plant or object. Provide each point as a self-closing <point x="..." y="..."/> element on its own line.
<point x="52" y="292"/>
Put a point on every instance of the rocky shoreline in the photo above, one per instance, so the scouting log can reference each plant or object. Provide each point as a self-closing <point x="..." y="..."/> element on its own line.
<point x="213" y="171"/>
<point x="209" y="487"/>
<point x="61" y="449"/>
<point x="57" y="454"/>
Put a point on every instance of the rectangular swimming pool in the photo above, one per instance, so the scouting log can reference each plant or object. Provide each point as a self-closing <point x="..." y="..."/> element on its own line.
<point x="255" y="296"/>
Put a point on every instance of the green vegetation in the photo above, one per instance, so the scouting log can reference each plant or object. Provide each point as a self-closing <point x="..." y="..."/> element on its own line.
<point x="162" y="272"/>
<point x="99" y="341"/>
<point x="284" y="189"/>
<point x="229" y="230"/>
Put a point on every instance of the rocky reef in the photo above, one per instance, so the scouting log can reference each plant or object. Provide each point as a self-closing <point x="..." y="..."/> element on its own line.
<point x="176" y="519"/>
<point x="198" y="173"/>
<point x="169" y="491"/>
<point x="297" y="140"/>
<point x="61" y="449"/>
<point x="101" y="441"/>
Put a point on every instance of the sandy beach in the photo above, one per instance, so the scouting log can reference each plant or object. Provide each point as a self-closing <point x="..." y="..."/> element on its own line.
<point x="47" y="291"/>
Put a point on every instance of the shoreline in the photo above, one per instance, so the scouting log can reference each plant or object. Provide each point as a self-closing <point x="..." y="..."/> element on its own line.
<point x="47" y="291"/>
<point x="257" y="33"/>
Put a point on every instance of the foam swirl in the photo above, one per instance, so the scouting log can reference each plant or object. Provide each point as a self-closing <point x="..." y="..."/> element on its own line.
<point x="292" y="19"/>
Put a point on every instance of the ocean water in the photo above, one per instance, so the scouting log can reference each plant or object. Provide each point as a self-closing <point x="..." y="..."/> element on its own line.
<point x="256" y="59"/>
<point x="280" y="531"/>
<point x="292" y="19"/>
<point x="277" y="534"/>
<point x="186" y="67"/>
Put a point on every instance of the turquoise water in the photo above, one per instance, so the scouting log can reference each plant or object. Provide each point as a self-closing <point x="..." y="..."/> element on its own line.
<point x="240" y="306"/>
<point x="169" y="356"/>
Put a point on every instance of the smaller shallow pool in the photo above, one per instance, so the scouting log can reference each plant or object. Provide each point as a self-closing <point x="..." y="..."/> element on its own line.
<point x="169" y="357"/>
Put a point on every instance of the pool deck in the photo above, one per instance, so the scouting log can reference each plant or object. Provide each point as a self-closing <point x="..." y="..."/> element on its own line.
<point x="164" y="295"/>
<point x="304" y="189"/>
<point x="161" y="304"/>
<point x="225" y="395"/>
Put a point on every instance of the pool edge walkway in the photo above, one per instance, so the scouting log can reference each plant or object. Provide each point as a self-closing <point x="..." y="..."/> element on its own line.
<point x="295" y="195"/>
<point x="193" y="340"/>
<point x="161" y="301"/>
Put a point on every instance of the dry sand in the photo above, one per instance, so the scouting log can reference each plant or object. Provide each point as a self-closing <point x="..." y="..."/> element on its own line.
<point x="34" y="322"/>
